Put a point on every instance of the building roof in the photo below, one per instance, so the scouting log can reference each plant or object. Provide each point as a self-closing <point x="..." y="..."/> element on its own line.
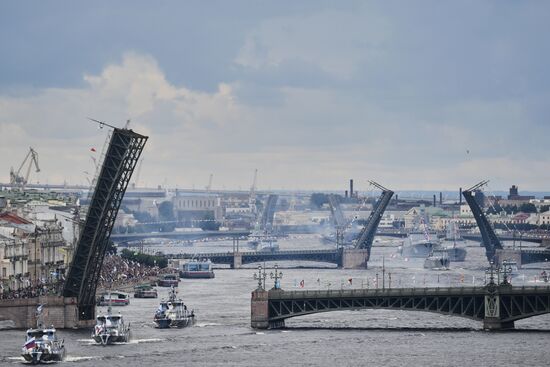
<point x="13" y="218"/>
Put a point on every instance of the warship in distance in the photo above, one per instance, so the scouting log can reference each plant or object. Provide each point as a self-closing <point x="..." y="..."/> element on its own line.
<point x="111" y="329"/>
<point x="173" y="313"/>
<point x="42" y="345"/>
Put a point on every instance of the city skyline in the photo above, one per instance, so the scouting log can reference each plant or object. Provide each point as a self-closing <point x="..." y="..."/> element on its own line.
<point x="427" y="98"/>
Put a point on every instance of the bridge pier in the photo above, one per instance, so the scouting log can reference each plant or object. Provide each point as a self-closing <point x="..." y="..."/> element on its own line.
<point x="237" y="260"/>
<point x="354" y="258"/>
<point x="495" y="323"/>
<point x="259" y="309"/>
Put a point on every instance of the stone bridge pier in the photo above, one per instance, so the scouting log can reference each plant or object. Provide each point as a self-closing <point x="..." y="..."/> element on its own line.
<point x="354" y="258"/>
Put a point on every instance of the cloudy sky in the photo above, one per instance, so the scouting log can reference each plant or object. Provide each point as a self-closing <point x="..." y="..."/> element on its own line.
<point x="430" y="95"/>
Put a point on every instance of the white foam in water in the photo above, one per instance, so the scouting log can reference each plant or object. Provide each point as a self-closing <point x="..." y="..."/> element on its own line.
<point x="153" y="340"/>
<point x="259" y="333"/>
<point x="207" y="324"/>
<point x="77" y="358"/>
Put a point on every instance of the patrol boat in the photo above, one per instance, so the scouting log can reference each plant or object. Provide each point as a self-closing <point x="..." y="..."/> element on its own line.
<point x="173" y="313"/>
<point x="110" y="329"/>
<point x="41" y="344"/>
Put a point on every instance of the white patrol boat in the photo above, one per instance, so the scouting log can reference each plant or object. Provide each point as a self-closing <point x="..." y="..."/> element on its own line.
<point x="173" y="313"/>
<point x="110" y="329"/>
<point x="42" y="345"/>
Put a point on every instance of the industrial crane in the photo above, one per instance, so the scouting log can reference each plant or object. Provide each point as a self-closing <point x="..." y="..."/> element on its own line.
<point x="15" y="176"/>
<point x="252" y="197"/>
<point x="209" y="187"/>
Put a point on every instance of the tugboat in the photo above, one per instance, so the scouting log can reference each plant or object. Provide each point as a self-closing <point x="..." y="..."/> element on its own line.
<point x="173" y="313"/>
<point x="42" y="345"/>
<point x="110" y="329"/>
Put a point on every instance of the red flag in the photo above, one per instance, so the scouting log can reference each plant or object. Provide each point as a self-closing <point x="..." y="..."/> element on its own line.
<point x="92" y="149"/>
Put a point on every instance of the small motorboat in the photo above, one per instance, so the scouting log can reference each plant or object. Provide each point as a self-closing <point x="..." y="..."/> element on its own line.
<point x="173" y="313"/>
<point x="113" y="298"/>
<point x="110" y="328"/>
<point x="168" y="280"/>
<point x="145" y="291"/>
<point x="437" y="260"/>
<point x="42" y="345"/>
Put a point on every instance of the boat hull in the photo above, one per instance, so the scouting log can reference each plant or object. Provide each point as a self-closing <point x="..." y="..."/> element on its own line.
<point x="421" y="250"/>
<point x="106" y="339"/>
<point x="456" y="254"/>
<point x="37" y="356"/>
<point x="166" y="323"/>
<point x="197" y="274"/>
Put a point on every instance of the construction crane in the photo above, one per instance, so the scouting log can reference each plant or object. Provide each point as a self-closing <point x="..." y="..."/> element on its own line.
<point x="209" y="187"/>
<point x="138" y="173"/>
<point x="15" y="176"/>
<point x="252" y="197"/>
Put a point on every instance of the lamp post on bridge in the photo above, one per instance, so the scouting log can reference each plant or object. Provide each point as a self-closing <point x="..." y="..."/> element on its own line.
<point x="260" y="277"/>
<point x="277" y="277"/>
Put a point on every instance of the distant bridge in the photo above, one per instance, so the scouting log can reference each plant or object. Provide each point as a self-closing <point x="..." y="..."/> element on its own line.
<point x="346" y="258"/>
<point x="195" y="235"/>
<point x="496" y="306"/>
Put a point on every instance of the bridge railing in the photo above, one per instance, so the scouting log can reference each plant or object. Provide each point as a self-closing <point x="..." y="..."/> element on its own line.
<point x="388" y="292"/>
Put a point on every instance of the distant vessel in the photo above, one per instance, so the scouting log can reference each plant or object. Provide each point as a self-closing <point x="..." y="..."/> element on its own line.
<point x="417" y="245"/>
<point x="145" y="291"/>
<point x="41" y="344"/>
<point x="456" y="253"/>
<point x="197" y="269"/>
<point x="168" y="280"/>
<point x="173" y="313"/>
<point x="437" y="260"/>
<point x="113" y="298"/>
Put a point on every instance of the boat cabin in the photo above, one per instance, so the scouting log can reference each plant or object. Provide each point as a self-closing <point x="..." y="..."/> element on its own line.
<point x="168" y="280"/>
<point x="113" y="298"/>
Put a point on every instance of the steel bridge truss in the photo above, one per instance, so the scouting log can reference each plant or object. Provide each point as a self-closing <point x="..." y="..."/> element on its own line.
<point x="504" y="303"/>
<point x="268" y="213"/>
<point x="366" y="237"/>
<point x="121" y="157"/>
<point x="336" y="211"/>
<point x="489" y="239"/>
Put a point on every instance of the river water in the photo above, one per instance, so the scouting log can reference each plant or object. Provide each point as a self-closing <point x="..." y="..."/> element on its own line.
<point x="222" y="333"/>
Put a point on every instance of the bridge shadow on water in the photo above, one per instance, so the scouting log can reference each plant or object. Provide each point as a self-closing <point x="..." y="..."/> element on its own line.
<point x="413" y="329"/>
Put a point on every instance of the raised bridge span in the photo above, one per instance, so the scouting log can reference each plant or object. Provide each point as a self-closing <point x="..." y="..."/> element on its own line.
<point x="497" y="306"/>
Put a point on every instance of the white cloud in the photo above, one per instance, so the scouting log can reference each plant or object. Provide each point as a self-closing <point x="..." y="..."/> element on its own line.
<point x="312" y="139"/>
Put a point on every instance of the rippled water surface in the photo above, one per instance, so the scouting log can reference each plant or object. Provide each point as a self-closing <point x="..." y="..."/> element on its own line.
<point x="222" y="335"/>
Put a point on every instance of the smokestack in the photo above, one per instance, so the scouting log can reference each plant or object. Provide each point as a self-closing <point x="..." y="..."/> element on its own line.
<point x="346" y="194"/>
<point x="435" y="200"/>
<point x="440" y="198"/>
<point x="396" y="199"/>
<point x="351" y="188"/>
<point x="460" y="196"/>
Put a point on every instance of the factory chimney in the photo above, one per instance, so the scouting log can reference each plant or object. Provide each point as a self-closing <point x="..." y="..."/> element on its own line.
<point x="351" y="188"/>
<point x="435" y="200"/>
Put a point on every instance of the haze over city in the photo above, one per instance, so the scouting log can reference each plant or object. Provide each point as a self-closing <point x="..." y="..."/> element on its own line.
<point x="432" y="96"/>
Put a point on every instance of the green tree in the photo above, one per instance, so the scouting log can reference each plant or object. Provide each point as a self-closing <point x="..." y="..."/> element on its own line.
<point x="528" y="208"/>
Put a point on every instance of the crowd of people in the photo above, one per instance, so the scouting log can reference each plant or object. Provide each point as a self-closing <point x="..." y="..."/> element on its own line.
<point x="44" y="289"/>
<point x="117" y="271"/>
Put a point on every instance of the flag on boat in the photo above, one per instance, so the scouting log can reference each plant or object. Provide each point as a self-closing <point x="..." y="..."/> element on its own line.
<point x="39" y="309"/>
<point x="92" y="149"/>
<point x="31" y="343"/>
<point x="302" y="283"/>
<point x="350" y="281"/>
